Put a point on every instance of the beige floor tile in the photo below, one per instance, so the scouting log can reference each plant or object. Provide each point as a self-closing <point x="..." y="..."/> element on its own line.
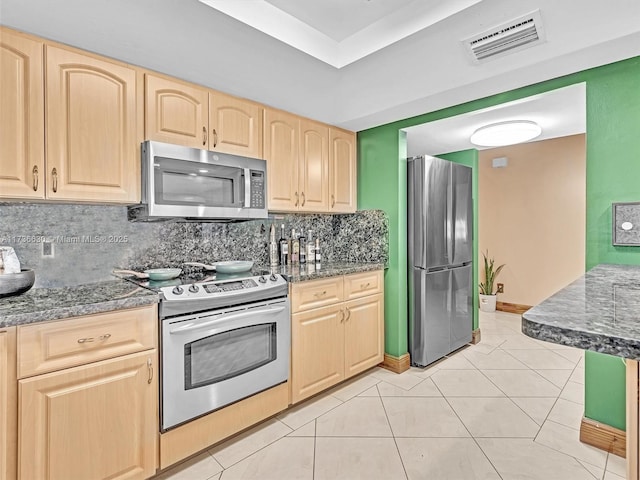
<point x="422" y="417"/>
<point x="542" y="359"/>
<point x="370" y="392"/>
<point x="444" y="459"/>
<point x="567" y="413"/>
<point x="424" y="372"/>
<point x="617" y="465"/>
<point x="455" y="362"/>
<point x="573" y="392"/>
<point x="520" y="342"/>
<point x="234" y="450"/>
<point x="596" y="472"/>
<point x="359" y="417"/>
<point x="558" y="377"/>
<point x="308" y="430"/>
<point x="522" y="383"/>
<point x="572" y="354"/>
<point x="567" y="440"/>
<point x="216" y="477"/>
<point x="483" y="347"/>
<point x="308" y="410"/>
<point x="289" y="458"/>
<point x="465" y="383"/>
<point x="612" y="476"/>
<point x="354" y="387"/>
<point x="577" y="375"/>
<point x="536" y="407"/>
<point x="357" y="458"/>
<point x="201" y="467"/>
<point x="493" y="417"/>
<point x="496" y="360"/>
<point x="523" y="459"/>
<point x="404" y="380"/>
<point x="424" y="389"/>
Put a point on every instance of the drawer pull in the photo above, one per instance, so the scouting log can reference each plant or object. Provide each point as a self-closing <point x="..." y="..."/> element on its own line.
<point x="102" y="338"/>
<point x="349" y="314"/>
<point x="54" y="176"/>
<point x="341" y="316"/>
<point x="304" y="200"/>
<point x="150" y="367"/>
<point x="320" y="294"/>
<point x="35" y="178"/>
<point x="204" y="135"/>
<point x="297" y="199"/>
<point x="365" y="285"/>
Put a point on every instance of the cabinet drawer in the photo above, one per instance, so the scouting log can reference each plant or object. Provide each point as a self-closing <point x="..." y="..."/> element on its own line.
<point x="61" y="344"/>
<point x="362" y="284"/>
<point x="316" y="293"/>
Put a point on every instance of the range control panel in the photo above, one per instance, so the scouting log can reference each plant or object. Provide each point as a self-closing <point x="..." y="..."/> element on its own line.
<point x="226" y="288"/>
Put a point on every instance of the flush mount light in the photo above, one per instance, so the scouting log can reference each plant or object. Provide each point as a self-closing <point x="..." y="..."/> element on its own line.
<point x="506" y="133"/>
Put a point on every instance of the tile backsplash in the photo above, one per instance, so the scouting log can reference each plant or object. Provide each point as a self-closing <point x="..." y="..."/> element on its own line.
<point x="88" y="241"/>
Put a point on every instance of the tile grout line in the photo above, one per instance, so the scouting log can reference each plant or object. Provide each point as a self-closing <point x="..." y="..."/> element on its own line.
<point x="393" y="435"/>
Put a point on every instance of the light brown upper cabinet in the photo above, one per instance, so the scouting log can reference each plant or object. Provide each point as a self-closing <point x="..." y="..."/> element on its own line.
<point x="186" y="114"/>
<point x="176" y="112"/>
<point x="342" y="171"/>
<point x="91" y="116"/>
<point x="313" y="173"/>
<point x="281" y="138"/>
<point x="21" y="116"/>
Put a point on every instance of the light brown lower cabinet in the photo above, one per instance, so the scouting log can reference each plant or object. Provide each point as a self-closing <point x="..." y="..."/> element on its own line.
<point x="94" y="421"/>
<point x="8" y="404"/>
<point x="337" y="341"/>
<point x="633" y="420"/>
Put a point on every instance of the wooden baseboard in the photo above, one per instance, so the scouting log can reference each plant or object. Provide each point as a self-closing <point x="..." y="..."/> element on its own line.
<point x="512" y="307"/>
<point x="475" y="336"/>
<point x="603" y="436"/>
<point x="396" y="364"/>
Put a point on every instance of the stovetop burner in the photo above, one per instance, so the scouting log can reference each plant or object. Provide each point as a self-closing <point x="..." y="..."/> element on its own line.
<point x="188" y="279"/>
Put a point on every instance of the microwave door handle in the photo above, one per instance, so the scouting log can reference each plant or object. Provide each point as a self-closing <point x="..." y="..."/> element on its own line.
<point x="197" y="326"/>
<point x="247" y="188"/>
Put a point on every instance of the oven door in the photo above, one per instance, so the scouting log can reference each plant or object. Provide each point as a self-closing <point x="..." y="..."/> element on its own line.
<point x="215" y="358"/>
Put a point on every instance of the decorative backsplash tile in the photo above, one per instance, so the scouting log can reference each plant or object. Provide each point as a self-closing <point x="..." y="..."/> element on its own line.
<point x="88" y="241"/>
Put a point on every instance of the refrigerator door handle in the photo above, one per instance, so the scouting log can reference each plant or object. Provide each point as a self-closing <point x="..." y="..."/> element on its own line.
<point x="448" y="218"/>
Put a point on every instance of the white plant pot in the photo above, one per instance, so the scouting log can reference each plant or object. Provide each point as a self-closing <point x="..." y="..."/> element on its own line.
<point x="488" y="303"/>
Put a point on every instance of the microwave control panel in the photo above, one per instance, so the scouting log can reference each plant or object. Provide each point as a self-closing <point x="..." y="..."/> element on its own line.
<point x="257" y="189"/>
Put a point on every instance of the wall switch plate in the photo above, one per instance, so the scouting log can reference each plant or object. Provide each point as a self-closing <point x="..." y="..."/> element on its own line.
<point x="47" y="249"/>
<point x="500" y="288"/>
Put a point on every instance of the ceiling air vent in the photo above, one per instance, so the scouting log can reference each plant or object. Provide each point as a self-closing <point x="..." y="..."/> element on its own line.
<point x="517" y="34"/>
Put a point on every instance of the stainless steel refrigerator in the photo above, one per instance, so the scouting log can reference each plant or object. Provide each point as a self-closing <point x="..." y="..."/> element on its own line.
<point x="440" y="251"/>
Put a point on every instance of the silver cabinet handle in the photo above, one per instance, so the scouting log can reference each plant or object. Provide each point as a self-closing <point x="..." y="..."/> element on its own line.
<point x="86" y="340"/>
<point x="333" y="200"/>
<point x="304" y="200"/>
<point x="150" y="368"/>
<point x="54" y="175"/>
<point x="348" y="314"/>
<point x="204" y="135"/>
<point x="215" y="138"/>
<point x="341" y="316"/>
<point x="364" y="285"/>
<point x="320" y="294"/>
<point x="102" y="338"/>
<point x="35" y="178"/>
<point x="297" y="199"/>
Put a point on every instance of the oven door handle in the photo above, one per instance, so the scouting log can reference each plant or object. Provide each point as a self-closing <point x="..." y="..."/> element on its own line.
<point x="247" y="188"/>
<point x="191" y="326"/>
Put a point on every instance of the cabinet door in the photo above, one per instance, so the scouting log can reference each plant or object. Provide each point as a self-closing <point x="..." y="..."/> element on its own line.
<point x="317" y="351"/>
<point x="281" y="131"/>
<point x="91" y="121"/>
<point x="8" y="404"/>
<point x="235" y="125"/>
<point x="314" y="167"/>
<point x="95" y="421"/>
<point x="21" y="117"/>
<point x="364" y="334"/>
<point x="176" y="112"/>
<point x="342" y="171"/>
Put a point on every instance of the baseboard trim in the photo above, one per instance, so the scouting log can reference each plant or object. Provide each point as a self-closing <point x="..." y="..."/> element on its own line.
<point x="396" y="364"/>
<point x="604" y="437"/>
<point x="512" y="307"/>
<point x="475" y="336"/>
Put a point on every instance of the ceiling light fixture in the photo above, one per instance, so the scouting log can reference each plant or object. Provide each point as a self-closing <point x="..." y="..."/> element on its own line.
<point x="506" y="133"/>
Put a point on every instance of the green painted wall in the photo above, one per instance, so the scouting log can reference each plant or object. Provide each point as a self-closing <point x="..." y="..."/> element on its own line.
<point x="613" y="174"/>
<point x="470" y="159"/>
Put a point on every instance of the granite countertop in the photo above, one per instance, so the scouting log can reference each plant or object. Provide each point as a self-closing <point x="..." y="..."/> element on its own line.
<point x="600" y="311"/>
<point x="42" y="304"/>
<point x="301" y="273"/>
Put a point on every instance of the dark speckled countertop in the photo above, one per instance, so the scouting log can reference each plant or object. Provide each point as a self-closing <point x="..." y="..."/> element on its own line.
<point x="600" y="311"/>
<point x="42" y="304"/>
<point x="301" y="273"/>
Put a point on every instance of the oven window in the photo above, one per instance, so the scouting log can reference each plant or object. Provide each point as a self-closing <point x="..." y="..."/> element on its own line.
<point x="229" y="354"/>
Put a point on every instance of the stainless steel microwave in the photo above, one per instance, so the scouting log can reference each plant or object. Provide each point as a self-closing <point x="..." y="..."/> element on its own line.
<point x="192" y="184"/>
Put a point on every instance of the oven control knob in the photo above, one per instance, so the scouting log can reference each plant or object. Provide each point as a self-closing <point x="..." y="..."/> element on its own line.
<point x="177" y="290"/>
<point x="273" y="277"/>
<point x="262" y="279"/>
<point x="194" y="288"/>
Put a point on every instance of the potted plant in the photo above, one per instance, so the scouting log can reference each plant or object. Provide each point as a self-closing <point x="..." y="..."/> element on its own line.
<point x="487" y="293"/>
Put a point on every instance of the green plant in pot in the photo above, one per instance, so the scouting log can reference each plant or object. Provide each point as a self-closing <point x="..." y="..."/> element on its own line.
<point x="487" y="291"/>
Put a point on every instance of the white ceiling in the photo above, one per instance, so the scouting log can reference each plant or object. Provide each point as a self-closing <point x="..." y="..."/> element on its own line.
<point x="422" y="72"/>
<point x="559" y="112"/>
